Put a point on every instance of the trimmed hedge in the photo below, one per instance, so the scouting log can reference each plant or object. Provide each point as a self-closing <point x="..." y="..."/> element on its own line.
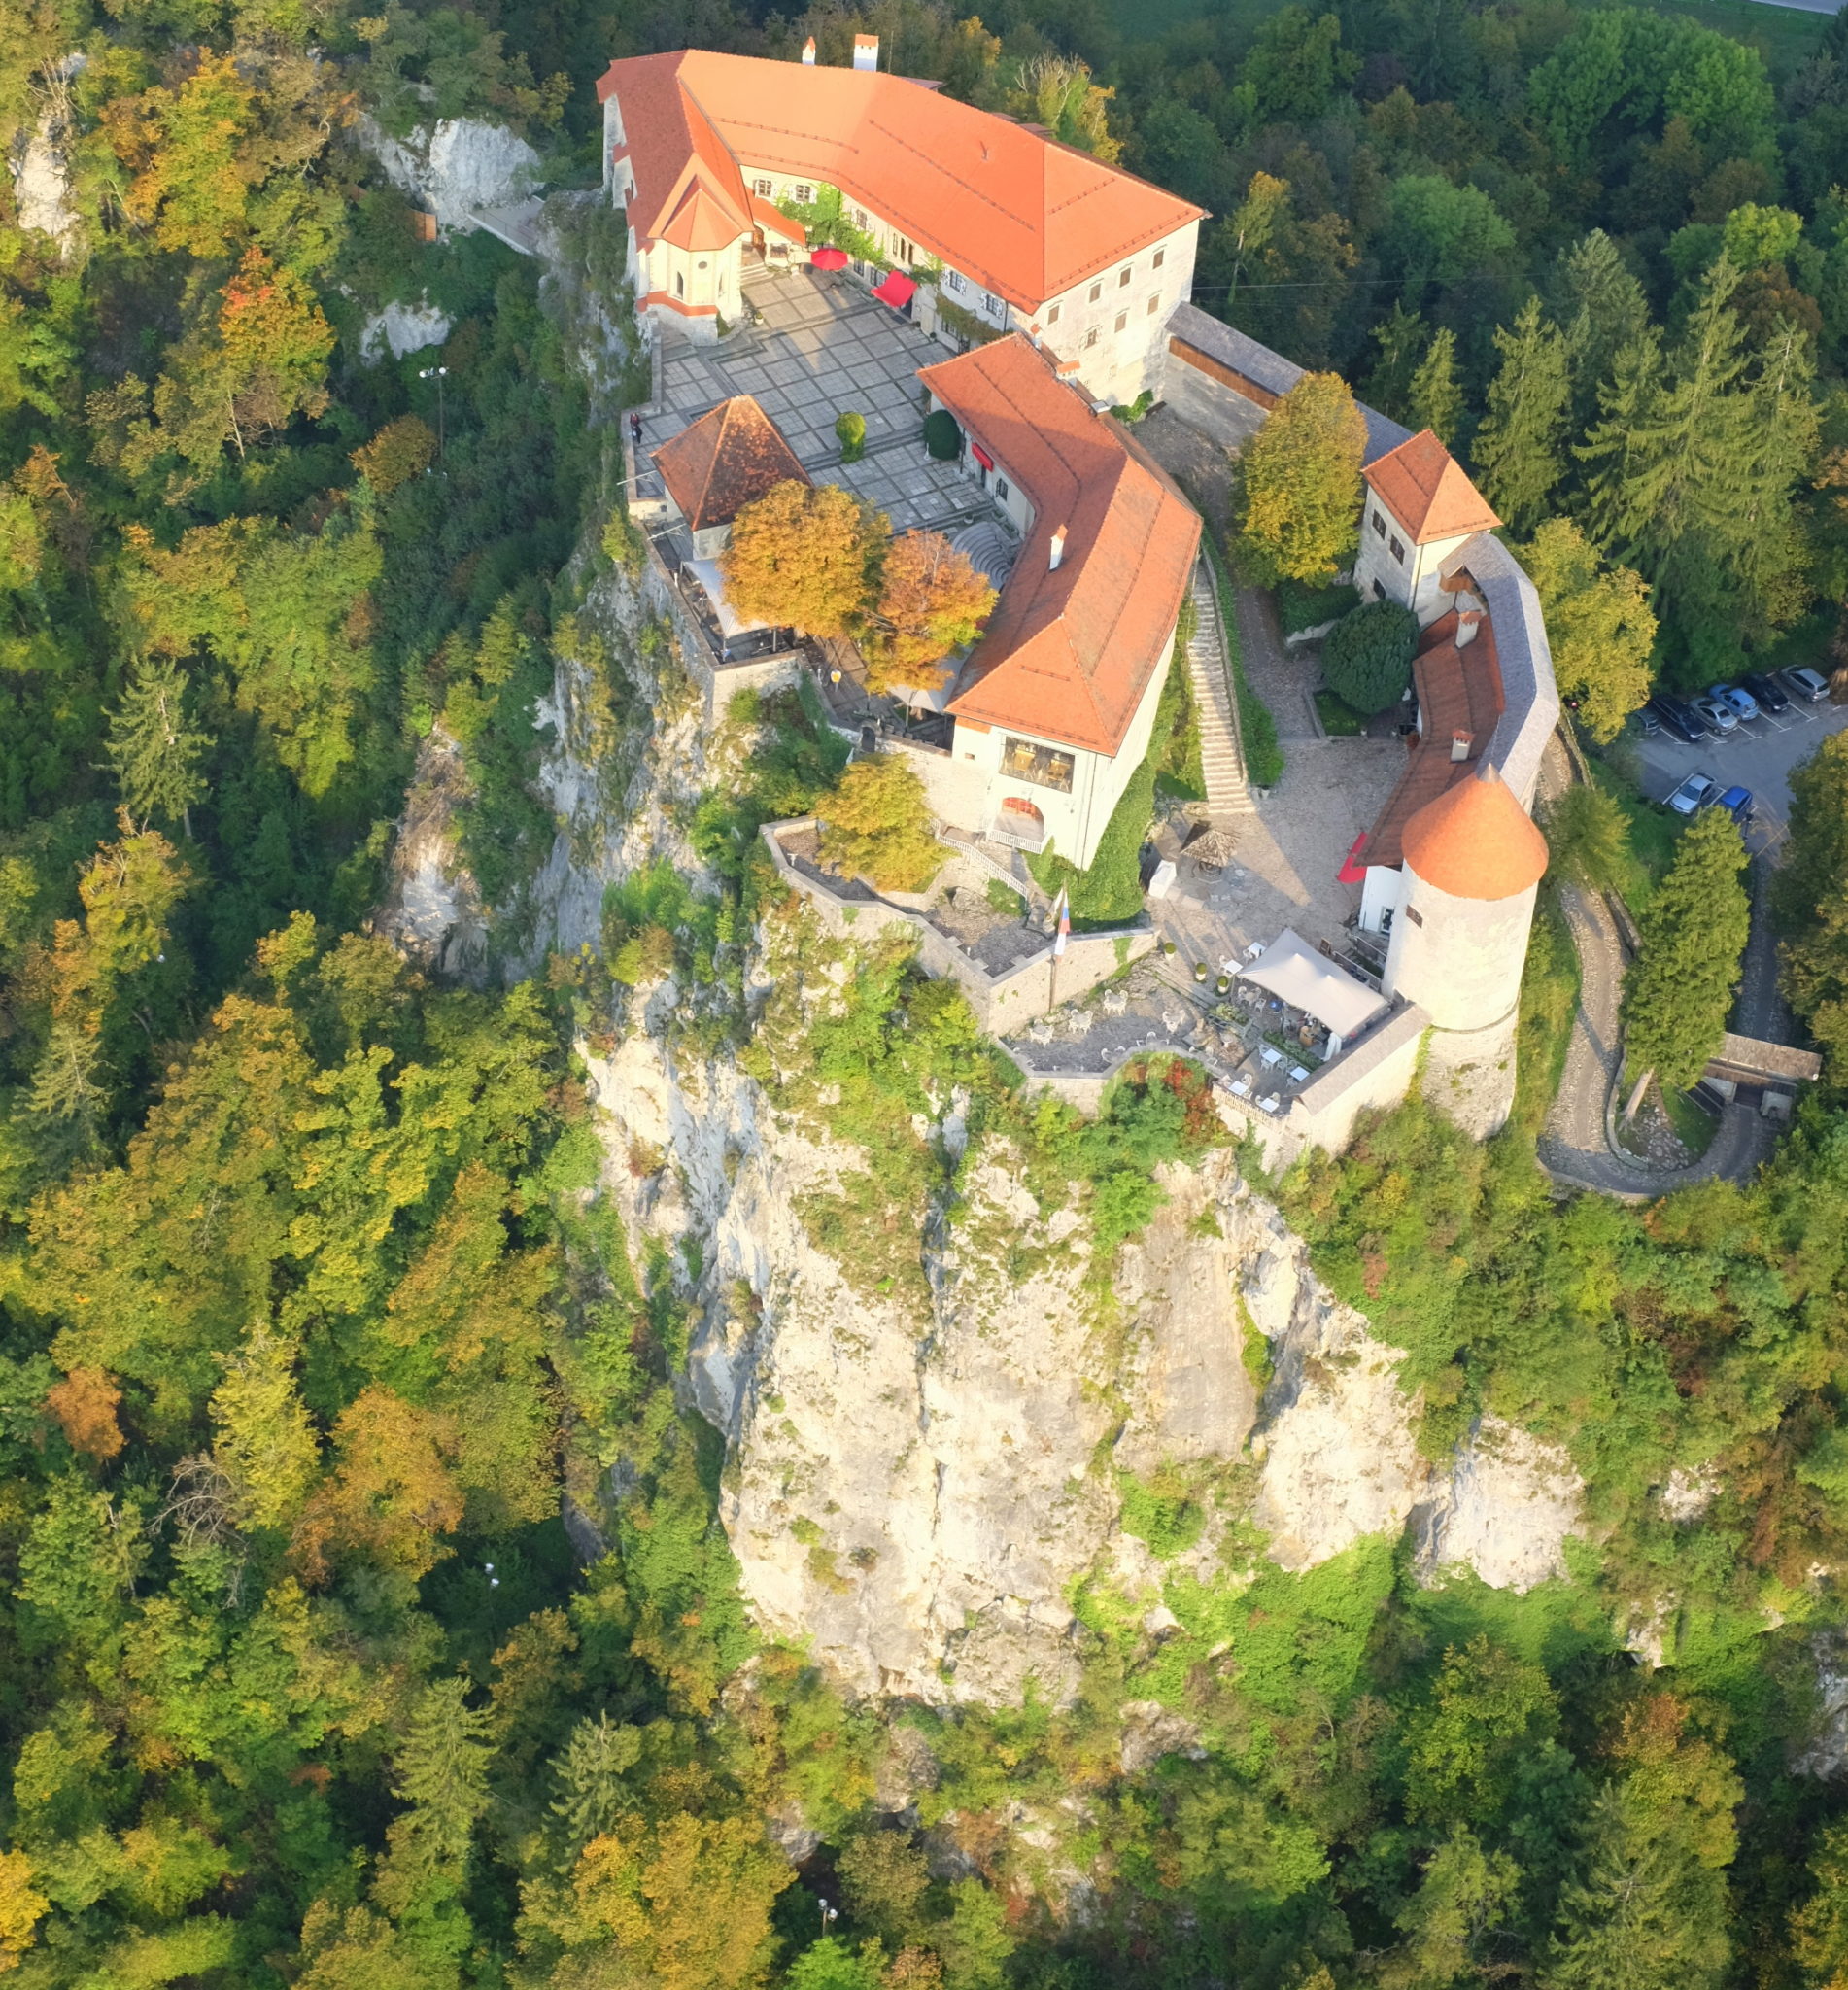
<point x="1366" y="656"/>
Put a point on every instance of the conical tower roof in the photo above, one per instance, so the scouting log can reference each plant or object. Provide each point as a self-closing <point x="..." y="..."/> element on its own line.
<point x="1476" y="841"/>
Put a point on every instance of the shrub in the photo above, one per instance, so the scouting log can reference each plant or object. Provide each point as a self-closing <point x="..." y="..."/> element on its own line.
<point x="1367" y="656"/>
<point x="1005" y="899"/>
<point x="1302" y="604"/>
<point x="850" y="432"/>
<point x="875" y="825"/>
<point x="942" y="436"/>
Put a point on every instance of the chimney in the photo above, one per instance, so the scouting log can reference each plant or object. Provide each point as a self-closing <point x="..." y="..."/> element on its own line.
<point x="1460" y="743"/>
<point x="1056" y="556"/>
<point x="1467" y="624"/>
<point x="809" y="51"/>
<point x="865" y="51"/>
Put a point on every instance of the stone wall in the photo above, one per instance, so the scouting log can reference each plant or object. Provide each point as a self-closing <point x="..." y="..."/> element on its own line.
<point x="1002" y="1003"/>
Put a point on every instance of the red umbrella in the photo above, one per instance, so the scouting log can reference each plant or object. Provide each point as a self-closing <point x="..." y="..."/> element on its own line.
<point x="831" y="259"/>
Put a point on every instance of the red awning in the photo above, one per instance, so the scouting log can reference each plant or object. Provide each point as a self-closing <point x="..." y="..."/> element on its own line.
<point x="1353" y="871"/>
<point x="897" y="290"/>
<point x="982" y="456"/>
<point x="831" y="259"/>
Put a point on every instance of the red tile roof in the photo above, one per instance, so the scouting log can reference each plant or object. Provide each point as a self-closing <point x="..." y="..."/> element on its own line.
<point x="1423" y="486"/>
<point x="1070" y="650"/>
<point x="1025" y="215"/>
<point x="1459" y="691"/>
<point x="1476" y="841"/>
<point x="725" y="460"/>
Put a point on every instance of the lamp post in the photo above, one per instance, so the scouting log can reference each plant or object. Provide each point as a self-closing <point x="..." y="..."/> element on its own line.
<point x="438" y="374"/>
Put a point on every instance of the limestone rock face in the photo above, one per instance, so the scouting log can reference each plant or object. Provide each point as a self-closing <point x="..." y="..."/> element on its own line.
<point x="1505" y="1509"/>
<point x="457" y="168"/>
<point x="1339" y="1461"/>
<point x="401" y="329"/>
<point x="915" y="1485"/>
<point x="432" y="912"/>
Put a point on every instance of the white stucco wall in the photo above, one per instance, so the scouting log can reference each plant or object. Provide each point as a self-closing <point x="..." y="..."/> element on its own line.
<point x="1414" y="579"/>
<point x="1075" y="822"/>
<point x="1460" y="958"/>
<point x="1379" y="894"/>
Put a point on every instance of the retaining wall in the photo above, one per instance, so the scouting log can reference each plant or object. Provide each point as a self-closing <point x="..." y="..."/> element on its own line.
<point x="1003" y="1003"/>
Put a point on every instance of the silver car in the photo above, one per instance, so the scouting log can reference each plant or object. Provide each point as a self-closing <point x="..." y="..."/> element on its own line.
<point x="1693" y="794"/>
<point x="1719" y="715"/>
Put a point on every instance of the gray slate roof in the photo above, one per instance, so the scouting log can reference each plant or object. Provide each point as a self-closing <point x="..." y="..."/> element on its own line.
<point x="1268" y="370"/>
<point x="1530" y="698"/>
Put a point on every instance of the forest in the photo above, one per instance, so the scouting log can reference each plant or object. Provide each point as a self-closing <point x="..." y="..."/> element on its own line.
<point x="312" y="1327"/>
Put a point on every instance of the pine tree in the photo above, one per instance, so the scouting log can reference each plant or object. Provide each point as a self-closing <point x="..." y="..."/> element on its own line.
<point x="591" y="1793"/>
<point x="1435" y="401"/>
<point x="151" y="748"/>
<point x="442" y="1775"/>
<point x="1691" y="480"/>
<point x="1602" y="309"/>
<point x="1401" y="338"/>
<point x="1520" y="447"/>
<point x="1679" y="989"/>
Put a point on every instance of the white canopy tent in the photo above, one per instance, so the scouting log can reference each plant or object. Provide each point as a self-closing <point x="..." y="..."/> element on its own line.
<point x="1293" y="971"/>
<point x="706" y="573"/>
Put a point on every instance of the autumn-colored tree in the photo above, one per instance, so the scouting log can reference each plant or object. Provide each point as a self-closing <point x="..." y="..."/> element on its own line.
<point x="393" y="1493"/>
<point x="273" y="347"/>
<point x="804" y="555"/>
<point x="684" y="1904"/>
<point x="184" y="147"/>
<point x="401" y="450"/>
<point x="1298" y="501"/>
<point x="876" y="824"/>
<point x="931" y="600"/>
<point x="265" y="1444"/>
<point x="1600" y="626"/>
<point x="1057" y="91"/>
<point x="22" y="1907"/>
<point x="85" y="1404"/>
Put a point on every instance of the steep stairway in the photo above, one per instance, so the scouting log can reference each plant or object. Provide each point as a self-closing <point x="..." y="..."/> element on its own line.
<point x="1210" y="668"/>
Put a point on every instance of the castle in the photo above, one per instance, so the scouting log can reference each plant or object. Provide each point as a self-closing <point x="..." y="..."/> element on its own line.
<point x="1061" y="286"/>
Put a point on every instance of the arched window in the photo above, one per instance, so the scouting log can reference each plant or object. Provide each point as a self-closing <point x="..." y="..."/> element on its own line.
<point x="679" y="285"/>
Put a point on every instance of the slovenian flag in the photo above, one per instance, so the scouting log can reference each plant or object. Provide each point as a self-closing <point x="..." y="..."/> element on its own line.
<point x="1062" y="912"/>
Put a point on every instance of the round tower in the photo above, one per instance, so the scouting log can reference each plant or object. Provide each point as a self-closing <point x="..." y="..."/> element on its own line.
<point x="1473" y="863"/>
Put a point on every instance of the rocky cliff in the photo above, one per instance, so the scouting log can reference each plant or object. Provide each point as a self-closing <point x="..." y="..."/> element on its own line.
<point x="919" y="1491"/>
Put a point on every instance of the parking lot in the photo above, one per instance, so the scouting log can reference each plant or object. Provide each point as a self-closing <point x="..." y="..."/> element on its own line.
<point x="1759" y="755"/>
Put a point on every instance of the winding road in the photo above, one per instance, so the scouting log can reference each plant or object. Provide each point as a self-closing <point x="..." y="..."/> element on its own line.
<point x="1578" y="1147"/>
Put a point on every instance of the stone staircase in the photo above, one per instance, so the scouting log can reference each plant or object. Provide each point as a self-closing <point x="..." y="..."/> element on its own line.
<point x="989" y="550"/>
<point x="1210" y="668"/>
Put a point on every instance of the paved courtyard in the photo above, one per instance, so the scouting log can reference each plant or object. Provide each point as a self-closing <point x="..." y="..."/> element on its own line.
<point x="817" y="347"/>
<point x="1285" y="856"/>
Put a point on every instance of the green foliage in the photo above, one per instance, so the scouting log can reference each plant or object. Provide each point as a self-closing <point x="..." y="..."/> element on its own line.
<point x="1808" y="900"/>
<point x="1679" y="989"/>
<point x="876" y="824"/>
<point x="1300" y="606"/>
<point x="850" y="432"/>
<point x="943" y="438"/>
<point x="1366" y="656"/>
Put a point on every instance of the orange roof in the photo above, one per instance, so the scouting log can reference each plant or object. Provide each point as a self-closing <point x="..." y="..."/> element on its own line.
<point x="700" y="221"/>
<point x="1070" y="650"/>
<point x="1476" y="841"/>
<point x="725" y="460"/>
<point x="1423" y="486"/>
<point x="1020" y="213"/>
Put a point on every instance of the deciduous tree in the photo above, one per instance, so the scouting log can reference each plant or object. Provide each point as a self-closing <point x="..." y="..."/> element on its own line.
<point x="1298" y="500"/>
<point x="876" y="824"/>
<point x="1600" y="626"/>
<point x="804" y="555"/>
<point x="931" y="600"/>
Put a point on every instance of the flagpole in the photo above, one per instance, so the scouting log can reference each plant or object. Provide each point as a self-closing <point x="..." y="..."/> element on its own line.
<point x="1061" y="933"/>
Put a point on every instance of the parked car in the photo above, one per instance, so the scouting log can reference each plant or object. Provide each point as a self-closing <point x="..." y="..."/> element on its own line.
<point x="1691" y="797"/>
<point x="1736" y="801"/>
<point x="1718" y="714"/>
<point x="1769" y="693"/>
<point x="1811" y="686"/>
<point x="1679" y="719"/>
<point x="1740" y="703"/>
<point x="1647" y="722"/>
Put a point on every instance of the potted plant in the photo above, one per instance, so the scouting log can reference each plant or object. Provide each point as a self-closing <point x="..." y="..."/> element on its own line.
<point x="1199" y="971"/>
<point x="1168" y="949"/>
<point x="1222" y="986"/>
